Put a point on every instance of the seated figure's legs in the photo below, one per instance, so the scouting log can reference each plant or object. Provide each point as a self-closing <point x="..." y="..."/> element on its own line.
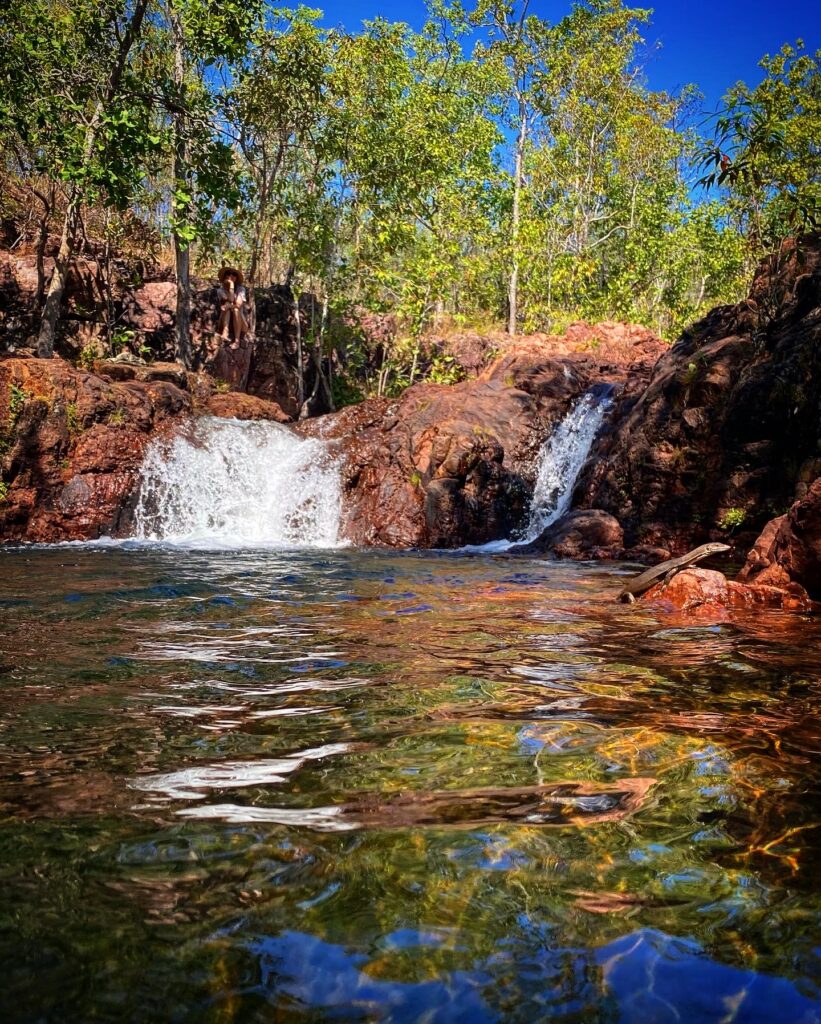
<point x="222" y="325"/>
<point x="240" y="325"/>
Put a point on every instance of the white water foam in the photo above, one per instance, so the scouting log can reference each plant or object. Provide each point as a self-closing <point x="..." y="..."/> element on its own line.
<point x="234" y="484"/>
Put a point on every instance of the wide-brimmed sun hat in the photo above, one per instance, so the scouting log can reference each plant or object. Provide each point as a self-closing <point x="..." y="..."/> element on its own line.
<point x="230" y="270"/>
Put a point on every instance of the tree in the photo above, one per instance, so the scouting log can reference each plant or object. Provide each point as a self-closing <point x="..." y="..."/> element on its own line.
<point x="515" y="45"/>
<point x="765" y="149"/>
<point x="205" y="34"/>
<point x="71" y="101"/>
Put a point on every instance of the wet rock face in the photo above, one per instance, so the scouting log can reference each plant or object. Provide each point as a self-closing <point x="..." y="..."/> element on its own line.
<point x="728" y="425"/>
<point x="448" y="466"/>
<point x="789" y="547"/>
<point x="71" y="445"/>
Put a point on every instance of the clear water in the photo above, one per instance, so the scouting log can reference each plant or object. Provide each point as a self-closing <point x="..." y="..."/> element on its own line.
<point x="347" y="786"/>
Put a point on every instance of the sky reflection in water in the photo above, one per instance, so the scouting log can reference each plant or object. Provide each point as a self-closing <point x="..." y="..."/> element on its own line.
<point x="354" y="786"/>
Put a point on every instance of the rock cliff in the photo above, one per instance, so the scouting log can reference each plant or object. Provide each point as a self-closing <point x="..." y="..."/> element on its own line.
<point x="728" y="427"/>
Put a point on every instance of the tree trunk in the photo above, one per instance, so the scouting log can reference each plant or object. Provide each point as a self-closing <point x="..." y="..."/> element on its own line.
<point x="513" y="284"/>
<point x="182" y="252"/>
<point x="57" y="285"/>
<point x="300" y="366"/>
<point x="47" y="200"/>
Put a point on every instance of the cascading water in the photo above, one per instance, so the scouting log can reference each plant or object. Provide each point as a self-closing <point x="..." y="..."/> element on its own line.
<point x="561" y="460"/>
<point x="228" y="483"/>
<point x="562" y="457"/>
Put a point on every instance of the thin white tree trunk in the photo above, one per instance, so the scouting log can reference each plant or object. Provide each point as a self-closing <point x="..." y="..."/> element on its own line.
<point x="518" y="172"/>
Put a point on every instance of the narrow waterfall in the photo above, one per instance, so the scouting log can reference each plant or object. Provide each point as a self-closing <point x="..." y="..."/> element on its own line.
<point x="562" y="457"/>
<point x="228" y="483"/>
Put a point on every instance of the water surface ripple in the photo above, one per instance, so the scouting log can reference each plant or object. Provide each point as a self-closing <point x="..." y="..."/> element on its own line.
<point x="310" y="786"/>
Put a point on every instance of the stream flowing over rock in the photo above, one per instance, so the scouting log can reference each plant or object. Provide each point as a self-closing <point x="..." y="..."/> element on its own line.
<point x="715" y="438"/>
<point x="449" y="466"/>
<point x="224" y="483"/>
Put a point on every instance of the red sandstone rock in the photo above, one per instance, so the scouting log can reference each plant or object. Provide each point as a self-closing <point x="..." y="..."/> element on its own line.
<point x="609" y="343"/>
<point x="72" y="445"/>
<point x="446" y="466"/>
<point x="707" y="592"/>
<point x="789" y="547"/>
<point x="235" y="405"/>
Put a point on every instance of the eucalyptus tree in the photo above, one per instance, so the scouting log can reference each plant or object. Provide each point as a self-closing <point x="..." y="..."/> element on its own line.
<point x="418" y="161"/>
<point x="276" y="110"/>
<point x="514" y="43"/>
<point x="71" y="97"/>
<point x="765" y="149"/>
<point x="207" y="37"/>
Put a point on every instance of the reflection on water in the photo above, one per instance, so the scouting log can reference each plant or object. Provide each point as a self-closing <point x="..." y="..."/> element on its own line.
<point x="362" y="787"/>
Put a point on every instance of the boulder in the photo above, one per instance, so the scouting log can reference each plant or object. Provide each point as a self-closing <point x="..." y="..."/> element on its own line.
<point x="583" y="533"/>
<point x="789" y="547"/>
<point x="71" y="446"/>
<point x="705" y="592"/>
<point x="728" y="426"/>
<point x="445" y="466"/>
<point x="235" y="405"/>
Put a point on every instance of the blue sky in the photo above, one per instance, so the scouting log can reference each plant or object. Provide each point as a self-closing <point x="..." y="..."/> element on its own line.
<point x="712" y="43"/>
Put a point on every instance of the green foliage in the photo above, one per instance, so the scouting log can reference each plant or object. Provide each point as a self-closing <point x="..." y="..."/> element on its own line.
<point x="445" y="370"/>
<point x="732" y="519"/>
<point x="4" y="491"/>
<point x="765" y="151"/>
<point x="411" y="175"/>
<point x="87" y="356"/>
<point x="72" y="418"/>
<point x="59" y="107"/>
<point x="18" y="396"/>
<point x="122" y="339"/>
<point x="346" y="391"/>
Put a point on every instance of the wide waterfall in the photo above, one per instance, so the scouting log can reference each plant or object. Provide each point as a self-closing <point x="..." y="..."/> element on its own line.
<point x="228" y="483"/>
<point x="562" y="457"/>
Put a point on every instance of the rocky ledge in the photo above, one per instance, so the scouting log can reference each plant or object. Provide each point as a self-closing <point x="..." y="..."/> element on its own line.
<point x="72" y="442"/>
<point x="728" y="431"/>
<point x="445" y="466"/>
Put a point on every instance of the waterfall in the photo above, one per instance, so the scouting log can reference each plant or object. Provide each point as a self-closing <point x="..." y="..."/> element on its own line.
<point x="229" y="483"/>
<point x="562" y="457"/>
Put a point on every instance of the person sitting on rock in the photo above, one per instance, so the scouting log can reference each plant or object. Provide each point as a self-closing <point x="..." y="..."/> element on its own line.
<point x="232" y="298"/>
